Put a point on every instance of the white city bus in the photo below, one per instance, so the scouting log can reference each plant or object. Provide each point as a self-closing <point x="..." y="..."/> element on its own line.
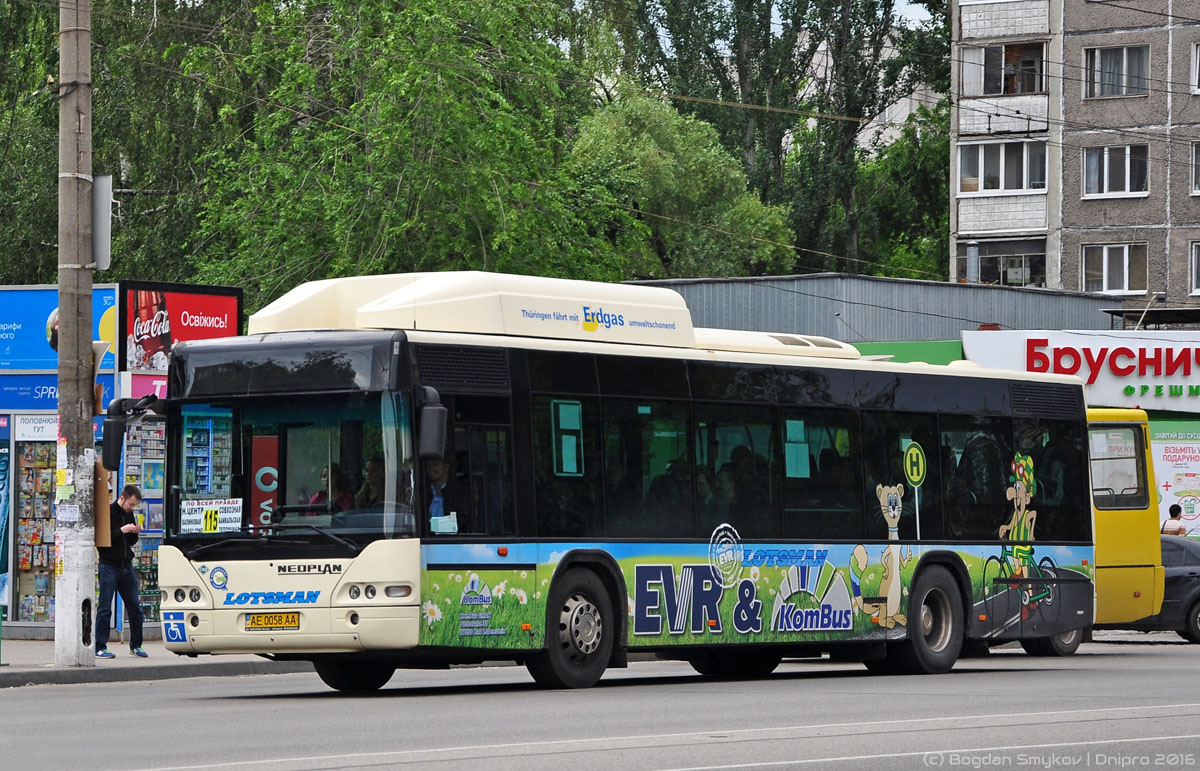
<point x="426" y="469"/>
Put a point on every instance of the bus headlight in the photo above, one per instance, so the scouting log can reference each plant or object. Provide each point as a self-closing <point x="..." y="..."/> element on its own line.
<point x="370" y="592"/>
<point x="354" y="592"/>
<point x="180" y="595"/>
<point x="194" y="595"/>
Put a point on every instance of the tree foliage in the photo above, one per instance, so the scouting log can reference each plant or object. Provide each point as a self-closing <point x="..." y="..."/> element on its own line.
<point x="263" y="144"/>
<point x="690" y="194"/>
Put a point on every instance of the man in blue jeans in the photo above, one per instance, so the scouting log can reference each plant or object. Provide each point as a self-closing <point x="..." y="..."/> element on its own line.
<point x="117" y="574"/>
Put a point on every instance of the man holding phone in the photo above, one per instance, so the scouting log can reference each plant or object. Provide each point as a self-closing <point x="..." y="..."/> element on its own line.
<point x="117" y="574"/>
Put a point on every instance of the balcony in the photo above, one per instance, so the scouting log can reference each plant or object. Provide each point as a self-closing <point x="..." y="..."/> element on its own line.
<point x="1003" y="18"/>
<point x="1021" y="213"/>
<point x="1003" y="114"/>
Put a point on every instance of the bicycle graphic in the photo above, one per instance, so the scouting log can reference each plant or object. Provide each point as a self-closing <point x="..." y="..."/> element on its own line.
<point x="1015" y="568"/>
<point x="1034" y="581"/>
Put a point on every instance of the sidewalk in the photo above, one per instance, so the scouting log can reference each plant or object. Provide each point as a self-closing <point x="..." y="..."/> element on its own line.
<point x="31" y="662"/>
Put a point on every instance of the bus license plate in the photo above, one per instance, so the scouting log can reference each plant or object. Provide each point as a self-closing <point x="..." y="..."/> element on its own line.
<point x="272" y="622"/>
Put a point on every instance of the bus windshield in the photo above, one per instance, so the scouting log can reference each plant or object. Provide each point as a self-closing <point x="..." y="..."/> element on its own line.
<point x="308" y="468"/>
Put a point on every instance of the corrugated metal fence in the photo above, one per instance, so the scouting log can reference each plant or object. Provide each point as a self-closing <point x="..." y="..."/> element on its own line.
<point x="869" y="308"/>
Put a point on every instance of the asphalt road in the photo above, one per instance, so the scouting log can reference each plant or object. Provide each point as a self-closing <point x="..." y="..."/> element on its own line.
<point x="1114" y="705"/>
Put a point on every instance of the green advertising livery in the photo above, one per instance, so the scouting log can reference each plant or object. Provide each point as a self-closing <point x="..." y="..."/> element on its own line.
<point x="427" y="469"/>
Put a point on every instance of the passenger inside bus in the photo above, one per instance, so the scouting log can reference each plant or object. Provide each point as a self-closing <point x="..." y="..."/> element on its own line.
<point x="333" y="495"/>
<point x="372" y="490"/>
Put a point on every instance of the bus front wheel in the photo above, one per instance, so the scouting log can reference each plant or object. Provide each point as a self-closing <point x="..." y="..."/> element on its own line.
<point x="935" y="624"/>
<point x="579" y="633"/>
<point x="354" y="676"/>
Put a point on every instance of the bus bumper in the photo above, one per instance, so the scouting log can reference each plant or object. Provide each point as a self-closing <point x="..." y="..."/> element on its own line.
<point x="322" y="630"/>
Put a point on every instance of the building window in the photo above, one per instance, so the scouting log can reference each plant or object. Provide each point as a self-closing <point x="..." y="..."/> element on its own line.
<point x="1116" y="170"/>
<point x="1114" y="268"/>
<point x="1004" y="263"/>
<point x="1002" y="167"/>
<point x="1195" y="68"/>
<point x="1004" y="69"/>
<point x="1195" y="168"/>
<point x="1195" y="268"/>
<point x="1116" y="71"/>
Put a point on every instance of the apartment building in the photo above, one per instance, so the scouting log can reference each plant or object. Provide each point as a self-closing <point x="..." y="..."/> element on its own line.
<point x="1075" y="150"/>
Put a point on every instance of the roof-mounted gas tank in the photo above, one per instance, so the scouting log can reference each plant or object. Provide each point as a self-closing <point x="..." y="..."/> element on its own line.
<point x="522" y="306"/>
<point x="485" y="303"/>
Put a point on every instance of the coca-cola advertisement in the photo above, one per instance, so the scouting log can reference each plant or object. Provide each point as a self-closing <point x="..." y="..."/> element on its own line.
<point x="155" y="316"/>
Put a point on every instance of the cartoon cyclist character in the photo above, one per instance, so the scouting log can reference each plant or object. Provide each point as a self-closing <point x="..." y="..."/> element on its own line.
<point x="1020" y="526"/>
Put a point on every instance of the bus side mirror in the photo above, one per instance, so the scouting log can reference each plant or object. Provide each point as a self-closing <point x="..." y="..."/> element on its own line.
<point x="114" y="441"/>
<point x="120" y="412"/>
<point x="433" y="432"/>
<point x="434" y="416"/>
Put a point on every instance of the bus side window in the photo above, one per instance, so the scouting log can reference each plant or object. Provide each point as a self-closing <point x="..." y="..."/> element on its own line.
<point x="974" y="499"/>
<point x="647" y="469"/>
<point x="1056" y="449"/>
<point x="480" y="464"/>
<point x="1118" y="467"/>
<point x="567" y="469"/>
<point x="740" y="447"/>
<point x="890" y="460"/>
<point x="820" y="469"/>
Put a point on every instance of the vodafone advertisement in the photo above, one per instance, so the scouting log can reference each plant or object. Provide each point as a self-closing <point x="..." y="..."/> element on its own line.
<point x="155" y="316"/>
<point x="1122" y="368"/>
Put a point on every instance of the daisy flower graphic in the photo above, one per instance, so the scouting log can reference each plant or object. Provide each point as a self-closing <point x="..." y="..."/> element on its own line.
<point x="432" y="612"/>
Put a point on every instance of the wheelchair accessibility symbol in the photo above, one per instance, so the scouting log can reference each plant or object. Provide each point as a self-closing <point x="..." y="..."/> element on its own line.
<point x="174" y="629"/>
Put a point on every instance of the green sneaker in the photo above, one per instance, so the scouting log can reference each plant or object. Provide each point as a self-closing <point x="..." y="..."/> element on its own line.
<point x="105" y="653"/>
<point x="141" y="654"/>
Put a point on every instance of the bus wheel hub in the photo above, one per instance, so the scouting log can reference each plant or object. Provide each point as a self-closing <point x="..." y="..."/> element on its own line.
<point x="581" y="627"/>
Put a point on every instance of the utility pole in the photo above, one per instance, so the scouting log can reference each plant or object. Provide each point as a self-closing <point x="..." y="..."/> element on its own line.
<point x="75" y="511"/>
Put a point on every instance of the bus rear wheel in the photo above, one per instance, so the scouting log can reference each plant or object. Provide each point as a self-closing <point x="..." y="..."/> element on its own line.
<point x="935" y="625"/>
<point x="354" y="676"/>
<point x="579" y="633"/>
<point x="1062" y="644"/>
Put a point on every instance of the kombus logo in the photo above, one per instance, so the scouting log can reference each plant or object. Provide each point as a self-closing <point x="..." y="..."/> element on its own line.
<point x="812" y="596"/>
<point x="476" y="592"/>
<point x="593" y="319"/>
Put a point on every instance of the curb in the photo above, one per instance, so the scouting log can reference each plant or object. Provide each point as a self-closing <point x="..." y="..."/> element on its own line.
<point x="75" y="675"/>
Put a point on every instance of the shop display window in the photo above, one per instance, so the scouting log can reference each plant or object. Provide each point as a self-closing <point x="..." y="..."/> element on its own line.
<point x="145" y="454"/>
<point x="33" y="590"/>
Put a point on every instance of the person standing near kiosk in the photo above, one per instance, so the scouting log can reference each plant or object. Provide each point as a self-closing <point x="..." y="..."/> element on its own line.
<point x="117" y="574"/>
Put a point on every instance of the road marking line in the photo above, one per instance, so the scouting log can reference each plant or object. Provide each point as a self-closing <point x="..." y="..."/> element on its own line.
<point x="724" y="732"/>
<point x="926" y="753"/>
